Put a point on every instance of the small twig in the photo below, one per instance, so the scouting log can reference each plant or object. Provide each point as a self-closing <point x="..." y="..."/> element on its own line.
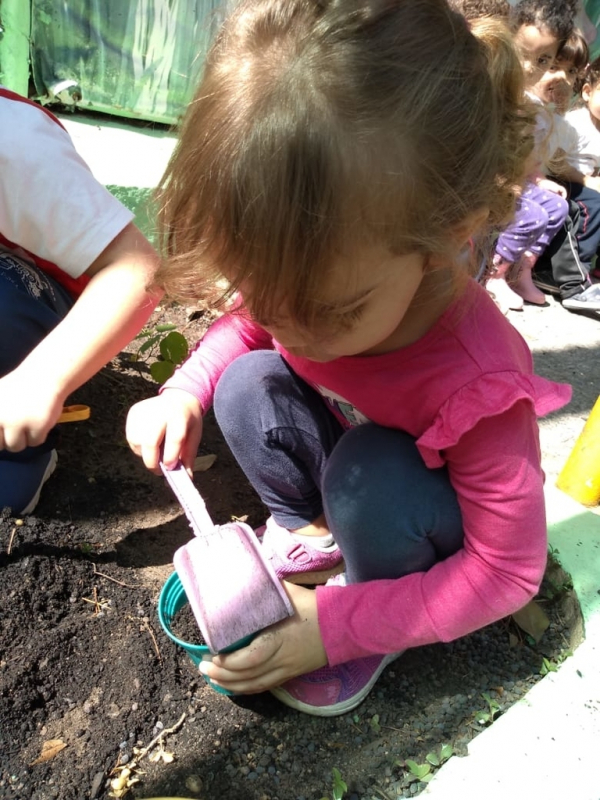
<point x="114" y="580"/>
<point x="158" y="738"/>
<point x="150" y="631"/>
<point x="10" y="541"/>
<point x="99" y="605"/>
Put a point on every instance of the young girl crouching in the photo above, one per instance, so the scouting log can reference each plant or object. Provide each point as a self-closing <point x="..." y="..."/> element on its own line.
<point x="335" y="163"/>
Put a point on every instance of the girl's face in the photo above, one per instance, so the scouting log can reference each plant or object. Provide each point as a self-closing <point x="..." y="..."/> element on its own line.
<point x="362" y="311"/>
<point x="591" y="97"/>
<point x="537" y="47"/>
<point x="556" y="84"/>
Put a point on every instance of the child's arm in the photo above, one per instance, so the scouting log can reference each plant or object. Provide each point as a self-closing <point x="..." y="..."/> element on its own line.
<point x="110" y="311"/>
<point x="495" y="470"/>
<point x="568" y="172"/>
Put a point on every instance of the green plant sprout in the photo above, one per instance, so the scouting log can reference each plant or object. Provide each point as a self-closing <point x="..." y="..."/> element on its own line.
<point x="488" y="716"/>
<point x="339" y="786"/>
<point x="172" y="347"/>
<point x="552" y="666"/>
<point x="424" y="772"/>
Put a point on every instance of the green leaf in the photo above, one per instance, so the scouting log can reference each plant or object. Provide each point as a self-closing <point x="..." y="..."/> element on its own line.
<point x="148" y="344"/>
<point x="547" y="666"/>
<point x="161" y="371"/>
<point x="433" y="759"/>
<point x="174" y="347"/>
<point x="418" y="770"/>
<point x="165" y="326"/>
<point x="339" y="787"/>
<point x="446" y="751"/>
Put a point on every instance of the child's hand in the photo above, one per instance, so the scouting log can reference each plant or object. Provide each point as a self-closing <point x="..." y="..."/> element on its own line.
<point x="28" y="410"/>
<point x="172" y="421"/>
<point x="283" y="651"/>
<point x="552" y="186"/>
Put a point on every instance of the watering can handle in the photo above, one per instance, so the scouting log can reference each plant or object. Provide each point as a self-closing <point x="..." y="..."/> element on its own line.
<point x="189" y="499"/>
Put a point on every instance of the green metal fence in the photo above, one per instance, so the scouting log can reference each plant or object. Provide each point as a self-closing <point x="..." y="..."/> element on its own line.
<point x="134" y="58"/>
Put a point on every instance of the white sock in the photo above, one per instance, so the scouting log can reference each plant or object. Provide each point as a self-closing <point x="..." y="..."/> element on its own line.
<point x="322" y="543"/>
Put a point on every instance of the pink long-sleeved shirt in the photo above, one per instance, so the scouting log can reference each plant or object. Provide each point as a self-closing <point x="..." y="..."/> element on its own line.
<point x="467" y="393"/>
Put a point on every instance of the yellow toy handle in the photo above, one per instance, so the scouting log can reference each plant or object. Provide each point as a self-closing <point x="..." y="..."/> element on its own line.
<point x="580" y="477"/>
<point x="74" y="413"/>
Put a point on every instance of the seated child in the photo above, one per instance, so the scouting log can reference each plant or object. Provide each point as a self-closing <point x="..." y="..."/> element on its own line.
<point x="74" y="273"/>
<point x="541" y="32"/>
<point x="585" y="119"/>
<point x="541" y="208"/>
<point x="331" y="171"/>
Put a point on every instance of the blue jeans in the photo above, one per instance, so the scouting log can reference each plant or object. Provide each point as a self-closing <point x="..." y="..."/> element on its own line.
<point x="389" y="513"/>
<point x="31" y="304"/>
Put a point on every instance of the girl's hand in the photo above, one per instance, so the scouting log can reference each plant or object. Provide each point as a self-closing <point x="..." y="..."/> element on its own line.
<point x="552" y="186"/>
<point x="283" y="651"/>
<point x="29" y="408"/>
<point x="171" y="422"/>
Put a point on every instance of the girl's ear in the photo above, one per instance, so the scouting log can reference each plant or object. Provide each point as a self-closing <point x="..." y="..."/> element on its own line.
<point x="586" y="92"/>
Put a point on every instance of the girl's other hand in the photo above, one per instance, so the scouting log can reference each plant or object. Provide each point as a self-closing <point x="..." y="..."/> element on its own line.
<point x="283" y="651"/>
<point x="169" y="424"/>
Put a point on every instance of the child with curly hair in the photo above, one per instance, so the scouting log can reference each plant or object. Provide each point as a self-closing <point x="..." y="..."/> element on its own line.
<point x="331" y="171"/>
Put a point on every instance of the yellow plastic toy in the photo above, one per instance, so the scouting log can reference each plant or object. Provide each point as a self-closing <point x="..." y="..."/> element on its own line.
<point x="580" y="477"/>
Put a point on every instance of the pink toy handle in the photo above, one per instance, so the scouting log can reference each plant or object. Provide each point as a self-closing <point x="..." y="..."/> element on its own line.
<point x="189" y="499"/>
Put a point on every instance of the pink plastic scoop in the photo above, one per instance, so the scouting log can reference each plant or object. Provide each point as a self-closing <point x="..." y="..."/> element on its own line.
<point x="232" y="589"/>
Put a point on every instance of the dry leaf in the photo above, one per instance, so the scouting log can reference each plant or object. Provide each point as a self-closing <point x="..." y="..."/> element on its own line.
<point x="532" y="619"/>
<point x="50" y="749"/>
<point x="202" y="463"/>
<point x="162" y="755"/>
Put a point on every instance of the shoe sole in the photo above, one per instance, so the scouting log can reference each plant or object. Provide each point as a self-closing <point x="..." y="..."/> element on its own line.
<point x="570" y="306"/>
<point x="50" y="467"/>
<point x="544" y="281"/>
<point x="337" y="708"/>
<point x="314" y="578"/>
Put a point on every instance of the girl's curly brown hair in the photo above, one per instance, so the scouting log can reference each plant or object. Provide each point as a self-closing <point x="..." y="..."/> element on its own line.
<point x="324" y="126"/>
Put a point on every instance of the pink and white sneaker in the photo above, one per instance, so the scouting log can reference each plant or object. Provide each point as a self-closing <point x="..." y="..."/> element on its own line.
<point x="298" y="562"/>
<point x="330" y="691"/>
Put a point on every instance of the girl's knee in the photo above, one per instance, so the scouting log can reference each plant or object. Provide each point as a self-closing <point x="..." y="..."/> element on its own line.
<point x="369" y="467"/>
<point x="245" y="376"/>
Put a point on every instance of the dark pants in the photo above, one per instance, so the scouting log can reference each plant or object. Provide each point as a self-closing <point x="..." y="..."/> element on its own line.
<point x="31" y="304"/>
<point x="388" y="512"/>
<point x="588" y="231"/>
<point x="561" y="257"/>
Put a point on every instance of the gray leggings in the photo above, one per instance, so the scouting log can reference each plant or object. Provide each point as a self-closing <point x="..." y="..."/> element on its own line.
<point x="388" y="512"/>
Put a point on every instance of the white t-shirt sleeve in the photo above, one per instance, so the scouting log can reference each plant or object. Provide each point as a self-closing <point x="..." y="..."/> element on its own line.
<point x="50" y="203"/>
<point x="587" y="159"/>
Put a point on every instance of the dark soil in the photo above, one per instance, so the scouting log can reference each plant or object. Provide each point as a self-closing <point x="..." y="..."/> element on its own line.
<point x="83" y="659"/>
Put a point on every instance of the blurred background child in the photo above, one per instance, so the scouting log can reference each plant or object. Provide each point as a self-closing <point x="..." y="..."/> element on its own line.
<point x="74" y="277"/>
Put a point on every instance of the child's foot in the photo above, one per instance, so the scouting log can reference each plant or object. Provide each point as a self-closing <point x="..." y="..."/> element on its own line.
<point x="296" y="559"/>
<point x="503" y="295"/>
<point x="524" y="285"/>
<point x="330" y="691"/>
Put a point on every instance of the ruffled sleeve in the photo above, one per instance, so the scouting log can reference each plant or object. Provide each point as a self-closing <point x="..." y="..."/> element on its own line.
<point x="487" y="396"/>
